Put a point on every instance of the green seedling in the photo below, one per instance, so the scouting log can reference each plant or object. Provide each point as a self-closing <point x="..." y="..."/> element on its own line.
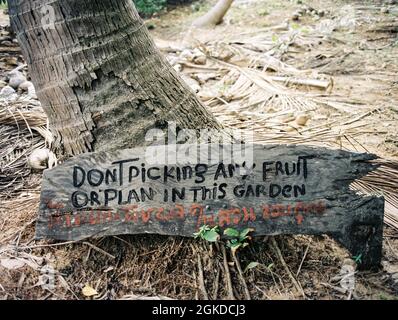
<point x="239" y="239"/>
<point x="207" y="233"/>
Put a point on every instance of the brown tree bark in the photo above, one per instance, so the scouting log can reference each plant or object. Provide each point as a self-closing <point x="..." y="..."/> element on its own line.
<point x="100" y="78"/>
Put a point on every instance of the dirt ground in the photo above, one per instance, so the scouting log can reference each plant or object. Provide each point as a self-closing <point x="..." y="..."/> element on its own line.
<point x="363" y="64"/>
<point x="362" y="61"/>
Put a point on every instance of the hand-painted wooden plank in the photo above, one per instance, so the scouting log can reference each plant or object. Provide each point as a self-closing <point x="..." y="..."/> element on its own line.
<point x="175" y="189"/>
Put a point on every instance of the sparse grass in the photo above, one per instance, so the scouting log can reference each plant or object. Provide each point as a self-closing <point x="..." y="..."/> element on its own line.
<point x="149" y="7"/>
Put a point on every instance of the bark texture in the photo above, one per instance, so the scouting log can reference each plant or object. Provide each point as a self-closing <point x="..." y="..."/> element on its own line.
<point x="100" y="78"/>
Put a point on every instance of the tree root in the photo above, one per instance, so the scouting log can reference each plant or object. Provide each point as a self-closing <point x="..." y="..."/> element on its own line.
<point x="216" y="283"/>
<point x="201" y="279"/>
<point x="242" y="278"/>
<point x="227" y="274"/>
<point x="285" y="266"/>
<point x="214" y="16"/>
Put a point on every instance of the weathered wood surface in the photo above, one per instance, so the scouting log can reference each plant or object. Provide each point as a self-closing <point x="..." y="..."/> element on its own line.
<point x="100" y="78"/>
<point x="290" y="190"/>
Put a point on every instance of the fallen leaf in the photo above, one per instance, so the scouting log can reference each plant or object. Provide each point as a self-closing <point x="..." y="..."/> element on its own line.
<point x="251" y="265"/>
<point x="12" y="264"/>
<point x="89" y="291"/>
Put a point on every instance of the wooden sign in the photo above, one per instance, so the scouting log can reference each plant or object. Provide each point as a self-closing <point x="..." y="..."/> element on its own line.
<point x="175" y="189"/>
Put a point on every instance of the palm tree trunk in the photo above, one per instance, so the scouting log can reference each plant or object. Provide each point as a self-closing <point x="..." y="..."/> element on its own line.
<point x="100" y="78"/>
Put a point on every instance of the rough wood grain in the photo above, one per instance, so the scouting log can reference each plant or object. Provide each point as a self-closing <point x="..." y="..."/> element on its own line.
<point x="290" y="190"/>
<point x="99" y="76"/>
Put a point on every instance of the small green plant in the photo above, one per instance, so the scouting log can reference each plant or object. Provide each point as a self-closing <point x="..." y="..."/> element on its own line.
<point x="251" y="265"/>
<point x="239" y="239"/>
<point x="274" y="38"/>
<point x="149" y="7"/>
<point x="207" y="233"/>
<point x="305" y="30"/>
<point x="3" y="4"/>
<point x="386" y="296"/>
<point x="263" y="12"/>
<point x="357" y="258"/>
<point x="255" y="264"/>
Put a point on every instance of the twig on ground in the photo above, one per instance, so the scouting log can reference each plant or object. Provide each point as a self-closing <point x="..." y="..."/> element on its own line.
<point x="302" y="260"/>
<point x="47" y="245"/>
<point x="99" y="250"/>
<point x="124" y="241"/>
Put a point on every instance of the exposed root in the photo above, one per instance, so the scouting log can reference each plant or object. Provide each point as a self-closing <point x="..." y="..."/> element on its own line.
<point x="215" y="15"/>
<point x="201" y="280"/>
<point x="227" y="274"/>
<point x="241" y="276"/>
<point x="286" y="267"/>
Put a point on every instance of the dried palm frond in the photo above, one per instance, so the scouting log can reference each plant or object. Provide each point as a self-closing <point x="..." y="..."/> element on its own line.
<point x="22" y="130"/>
<point x="15" y="147"/>
<point x="28" y="113"/>
<point x="383" y="181"/>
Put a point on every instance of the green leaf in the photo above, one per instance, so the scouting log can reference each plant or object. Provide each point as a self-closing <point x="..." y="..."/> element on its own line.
<point x="242" y="239"/>
<point x="263" y="12"/>
<point x="304" y="30"/>
<point x="211" y="236"/>
<point x="251" y="265"/>
<point x="215" y="229"/>
<point x="235" y="245"/>
<point x="358" y="258"/>
<point x="202" y="230"/>
<point x="246" y="231"/>
<point x="231" y="232"/>
<point x="197" y="234"/>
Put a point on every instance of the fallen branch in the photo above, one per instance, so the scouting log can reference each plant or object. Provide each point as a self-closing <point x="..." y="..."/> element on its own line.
<point x="323" y="84"/>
